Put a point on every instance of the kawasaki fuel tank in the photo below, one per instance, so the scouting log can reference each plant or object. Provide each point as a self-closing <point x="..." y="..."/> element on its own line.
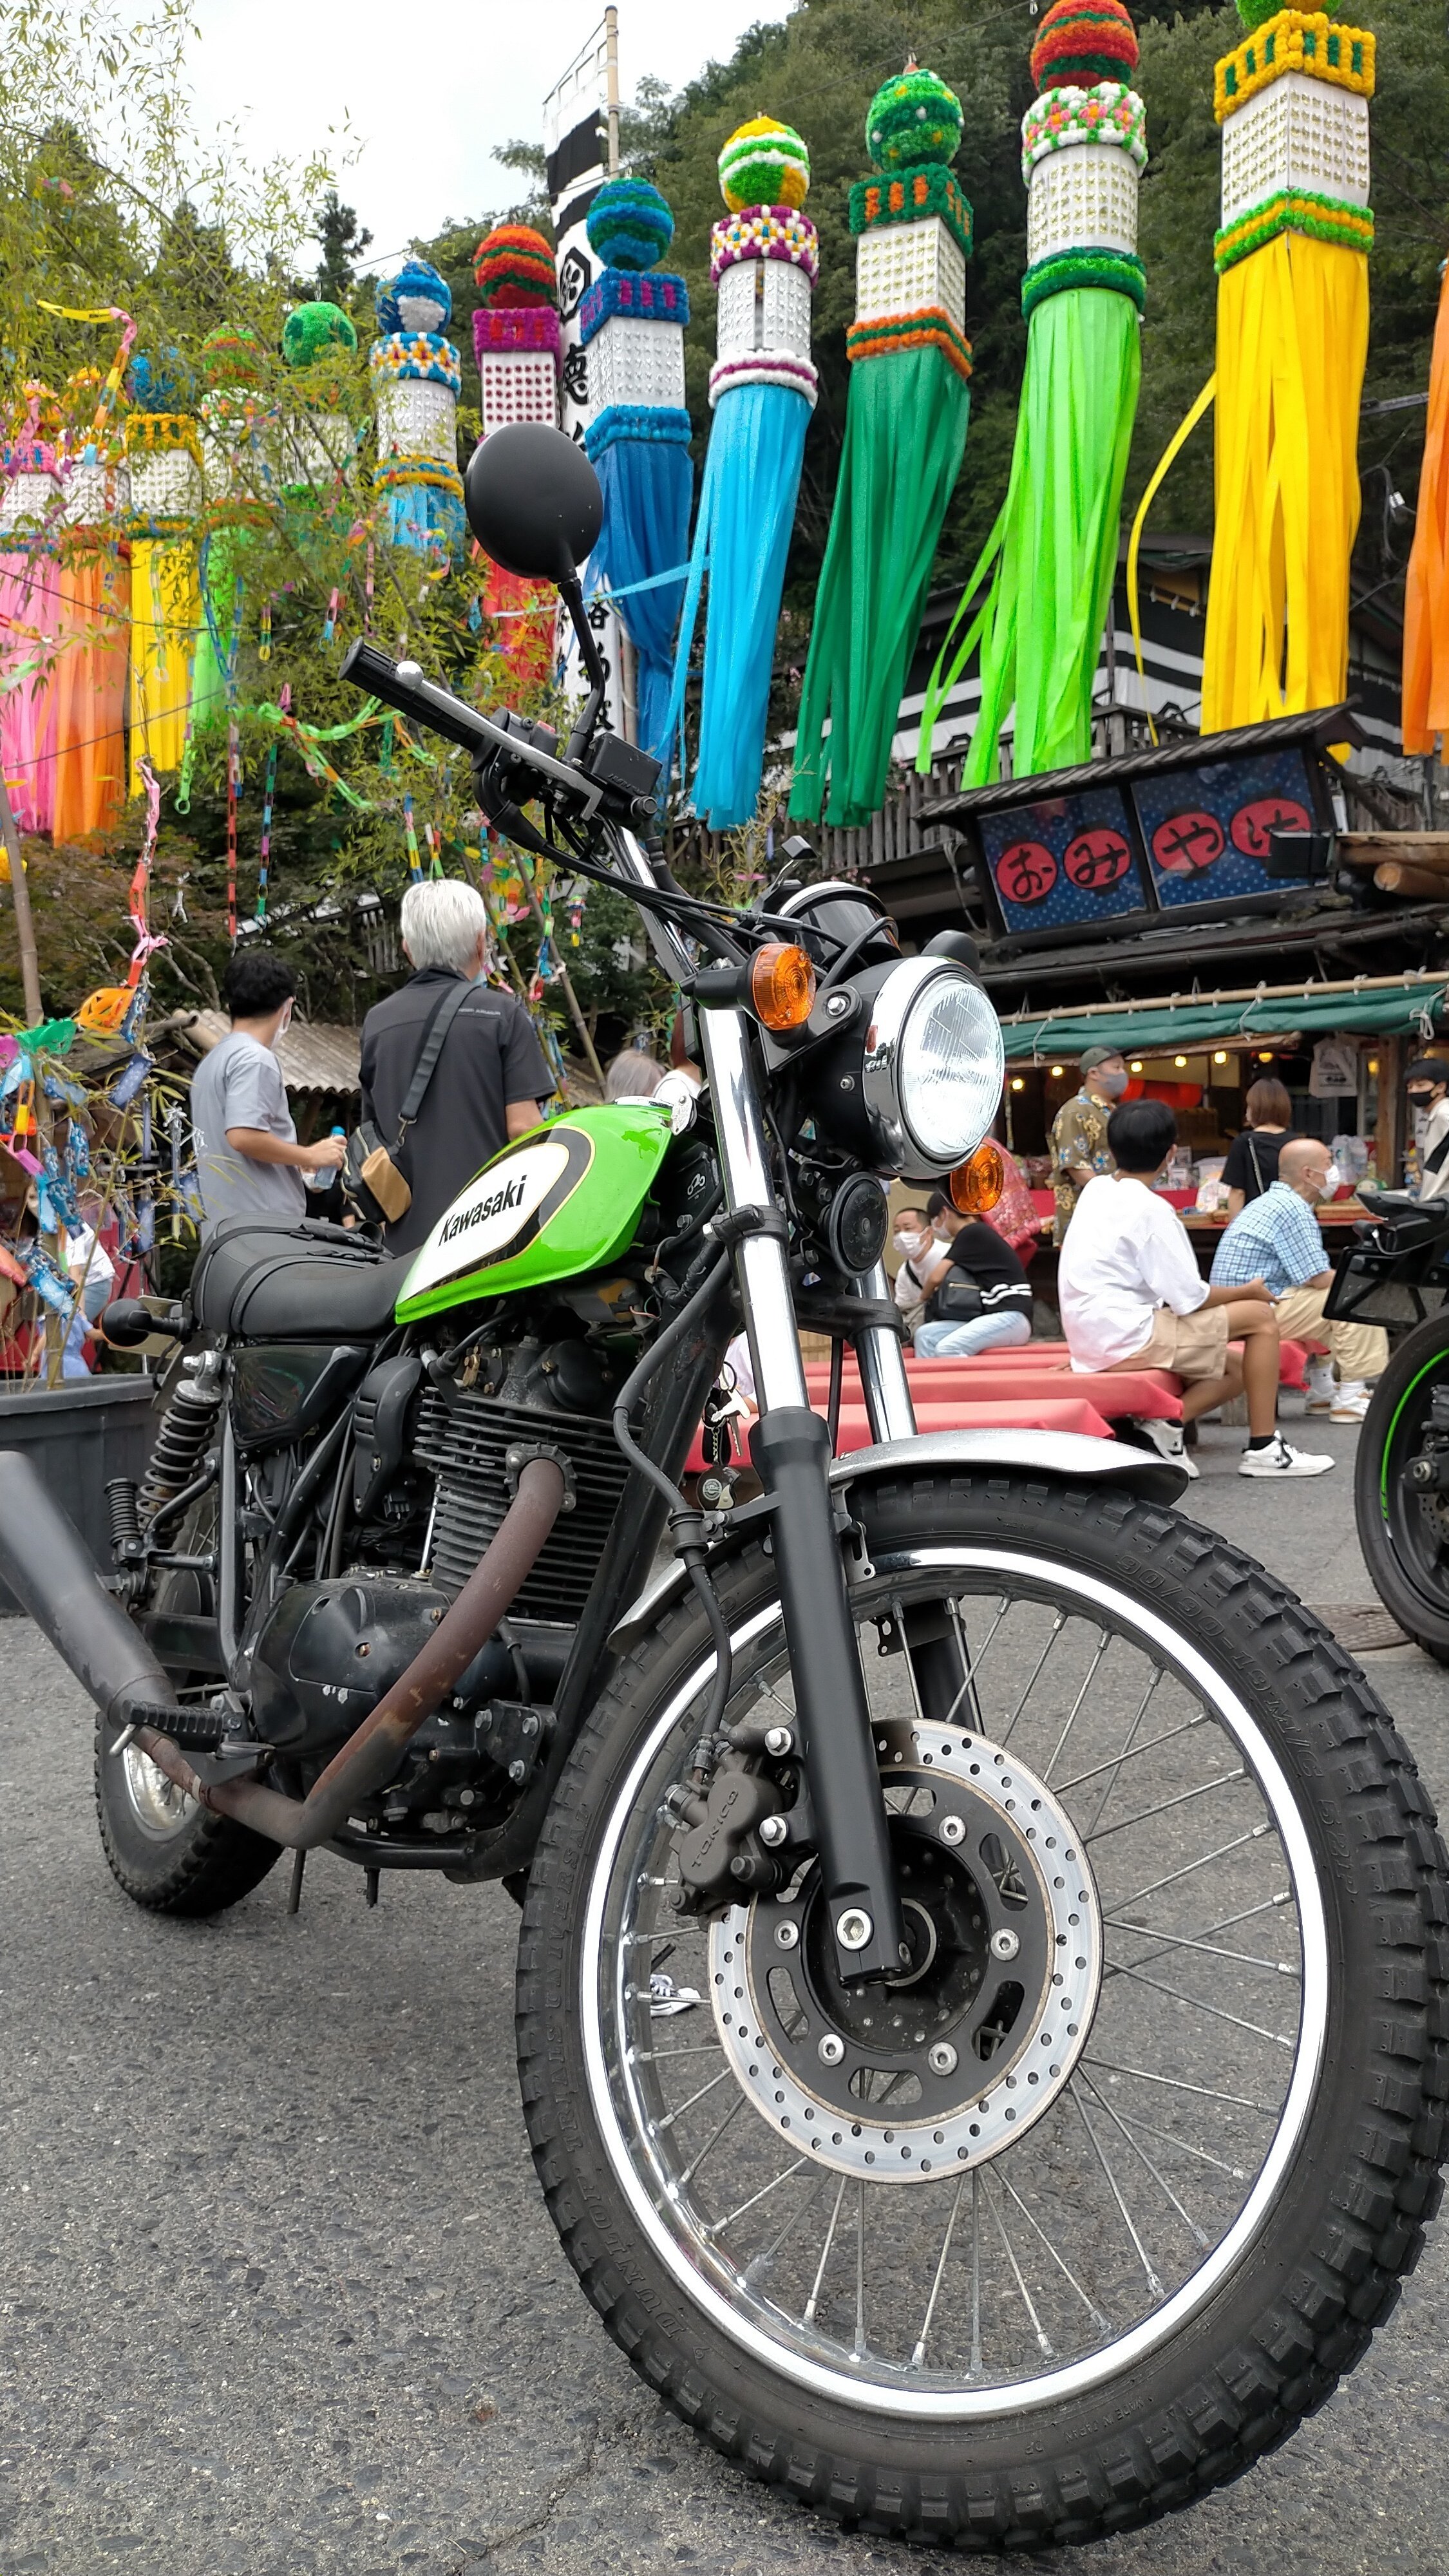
<point x="562" y="1200"/>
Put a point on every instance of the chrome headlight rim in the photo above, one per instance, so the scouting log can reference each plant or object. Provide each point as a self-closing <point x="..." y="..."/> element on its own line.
<point x="901" y="995"/>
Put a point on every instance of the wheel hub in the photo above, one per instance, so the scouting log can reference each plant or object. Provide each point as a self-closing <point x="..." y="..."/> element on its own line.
<point x="952" y="2061"/>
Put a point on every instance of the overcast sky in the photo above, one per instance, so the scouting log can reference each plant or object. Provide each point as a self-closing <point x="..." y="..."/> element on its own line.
<point x="428" y="96"/>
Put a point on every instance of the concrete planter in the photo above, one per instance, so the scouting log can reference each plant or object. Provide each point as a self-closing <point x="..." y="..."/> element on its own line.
<point x="79" y="1436"/>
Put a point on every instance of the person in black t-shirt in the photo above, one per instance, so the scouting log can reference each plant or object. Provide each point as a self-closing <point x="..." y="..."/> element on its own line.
<point x="978" y="1295"/>
<point x="1252" y="1164"/>
<point x="490" y="1082"/>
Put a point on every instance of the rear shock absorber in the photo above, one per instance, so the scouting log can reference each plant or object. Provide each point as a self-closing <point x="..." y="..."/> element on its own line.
<point x="125" y="1527"/>
<point x="187" y="1426"/>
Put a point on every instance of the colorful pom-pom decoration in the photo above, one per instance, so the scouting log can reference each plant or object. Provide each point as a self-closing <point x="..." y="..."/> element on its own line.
<point x="629" y="224"/>
<point x="233" y="356"/>
<point x="312" y="329"/>
<point x="416" y="298"/>
<point x="913" y="119"/>
<point x="1256" y="13"/>
<point x="764" y="163"/>
<point x="514" y="265"/>
<point x="1082" y="41"/>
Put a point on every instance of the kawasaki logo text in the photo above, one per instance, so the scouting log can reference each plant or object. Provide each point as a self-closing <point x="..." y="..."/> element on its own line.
<point x="511" y="1197"/>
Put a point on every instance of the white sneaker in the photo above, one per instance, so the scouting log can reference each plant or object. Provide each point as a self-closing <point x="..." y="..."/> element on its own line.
<point x="1279" y="1460"/>
<point x="1351" y="1402"/>
<point x="1321" y="1389"/>
<point x="666" y="1998"/>
<point x="1166" y="1438"/>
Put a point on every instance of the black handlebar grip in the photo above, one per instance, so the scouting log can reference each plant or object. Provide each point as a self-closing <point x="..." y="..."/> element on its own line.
<point x="369" y="669"/>
<point x="128" y="1321"/>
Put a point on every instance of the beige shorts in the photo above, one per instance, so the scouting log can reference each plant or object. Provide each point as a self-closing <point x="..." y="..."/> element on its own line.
<point x="1192" y="1346"/>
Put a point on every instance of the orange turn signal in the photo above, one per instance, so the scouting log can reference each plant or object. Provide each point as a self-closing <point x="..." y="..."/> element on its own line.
<point x="782" y="986"/>
<point x="978" y="1183"/>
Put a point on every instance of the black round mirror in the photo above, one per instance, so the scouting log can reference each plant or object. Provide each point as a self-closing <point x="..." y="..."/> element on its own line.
<point x="534" y="502"/>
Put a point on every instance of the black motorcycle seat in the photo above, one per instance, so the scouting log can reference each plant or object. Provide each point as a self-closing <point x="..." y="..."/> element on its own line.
<point x="271" y="1280"/>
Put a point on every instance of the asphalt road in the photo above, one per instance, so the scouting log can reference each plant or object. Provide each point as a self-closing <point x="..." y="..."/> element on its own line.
<point x="278" y="2288"/>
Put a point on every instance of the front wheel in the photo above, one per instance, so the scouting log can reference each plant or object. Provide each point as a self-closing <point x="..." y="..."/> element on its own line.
<point x="1096" y="2201"/>
<point x="1404" y="1530"/>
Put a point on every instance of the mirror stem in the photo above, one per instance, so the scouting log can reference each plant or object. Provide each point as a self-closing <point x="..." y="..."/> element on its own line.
<point x="572" y="596"/>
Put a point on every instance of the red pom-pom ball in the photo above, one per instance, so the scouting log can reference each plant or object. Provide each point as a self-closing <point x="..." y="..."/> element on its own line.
<point x="1082" y="41"/>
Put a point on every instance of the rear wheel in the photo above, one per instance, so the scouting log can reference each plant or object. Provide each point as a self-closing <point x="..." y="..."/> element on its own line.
<point x="169" y="1854"/>
<point x="1101" y="2198"/>
<point x="1404" y="1531"/>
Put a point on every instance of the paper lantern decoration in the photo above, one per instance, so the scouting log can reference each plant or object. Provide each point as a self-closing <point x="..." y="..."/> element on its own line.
<point x="318" y="443"/>
<point x="1051" y="557"/>
<point x="764" y="263"/>
<point x="416" y="379"/>
<point x="31" y="505"/>
<point x="91" y="665"/>
<point x="905" y="435"/>
<point x="516" y="328"/>
<point x="632" y="323"/>
<point x="1292" y="261"/>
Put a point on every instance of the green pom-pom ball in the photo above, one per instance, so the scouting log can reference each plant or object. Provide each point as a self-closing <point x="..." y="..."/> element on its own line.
<point x="312" y="329"/>
<point x="913" y="119"/>
<point x="764" y="163"/>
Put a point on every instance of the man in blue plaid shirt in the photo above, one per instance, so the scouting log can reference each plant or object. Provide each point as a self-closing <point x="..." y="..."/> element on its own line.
<point x="1276" y="1238"/>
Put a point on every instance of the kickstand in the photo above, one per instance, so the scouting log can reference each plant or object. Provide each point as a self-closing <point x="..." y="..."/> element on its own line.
<point x="294" y="1892"/>
<point x="371" y="1881"/>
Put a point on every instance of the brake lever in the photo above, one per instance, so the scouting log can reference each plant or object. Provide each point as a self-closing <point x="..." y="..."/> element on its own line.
<point x="401" y="685"/>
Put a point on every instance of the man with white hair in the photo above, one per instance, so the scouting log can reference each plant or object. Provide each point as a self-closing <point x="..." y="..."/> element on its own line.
<point x="490" y="1082"/>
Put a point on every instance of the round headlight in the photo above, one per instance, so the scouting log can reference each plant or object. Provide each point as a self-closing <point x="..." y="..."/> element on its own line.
<point x="933" y="1066"/>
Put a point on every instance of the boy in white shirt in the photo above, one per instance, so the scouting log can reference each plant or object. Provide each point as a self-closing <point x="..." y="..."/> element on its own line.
<point x="1131" y="1297"/>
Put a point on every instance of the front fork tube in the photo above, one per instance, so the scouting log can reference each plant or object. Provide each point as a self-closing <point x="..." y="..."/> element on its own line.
<point x="790" y="1446"/>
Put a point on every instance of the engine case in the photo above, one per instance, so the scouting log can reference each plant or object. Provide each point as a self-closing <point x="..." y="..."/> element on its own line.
<point x="331" y="1650"/>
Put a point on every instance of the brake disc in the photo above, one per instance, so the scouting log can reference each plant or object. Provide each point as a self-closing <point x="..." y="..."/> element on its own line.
<point x="949" y="2063"/>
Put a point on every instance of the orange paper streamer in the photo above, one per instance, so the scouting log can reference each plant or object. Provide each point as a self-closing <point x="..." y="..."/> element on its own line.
<point x="1426" y="590"/>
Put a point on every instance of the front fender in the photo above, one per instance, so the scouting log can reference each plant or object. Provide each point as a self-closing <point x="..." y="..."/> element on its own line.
<point x="1066" y="1457"/>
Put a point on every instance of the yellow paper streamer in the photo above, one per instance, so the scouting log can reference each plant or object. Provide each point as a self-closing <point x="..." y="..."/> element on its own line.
<point x="1160" y="472"/>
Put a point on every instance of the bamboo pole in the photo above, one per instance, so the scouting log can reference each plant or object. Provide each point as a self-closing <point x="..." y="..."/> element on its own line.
<point x="24" y="918"/>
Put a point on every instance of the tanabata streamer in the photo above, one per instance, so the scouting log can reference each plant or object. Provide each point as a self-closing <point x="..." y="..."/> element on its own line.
<point x="765" y="260"/>
<point x="1052" y="554"/>
<point x="632" y="323"/>
<point x="905" y="435"/>
<point x="516" y="341"/>
<point x="1292" y="262"/>
<point x="30" y="520"/>
<point x="238" y="471"/>
<point x="416" y="379"/>
<point x="1426" y="591"/>
<point x="163" y="456"/>
<point x="95" y="605"/>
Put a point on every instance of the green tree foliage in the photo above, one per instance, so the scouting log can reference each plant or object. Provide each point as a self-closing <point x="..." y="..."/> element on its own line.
<point x="343" y="242"/>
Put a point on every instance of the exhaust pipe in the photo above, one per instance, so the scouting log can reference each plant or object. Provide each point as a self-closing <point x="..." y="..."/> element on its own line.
<point x="53" y="1575"/>
<point x="65" y="1597"/>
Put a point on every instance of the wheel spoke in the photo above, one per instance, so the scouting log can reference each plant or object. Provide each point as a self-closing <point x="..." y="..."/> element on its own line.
<point x="1144" y="2258"/>
<point x="1183" y="1798"/>
<point x="859" y="2352"/>
<point x="710" y="2144"/>
<point x="1102" y="2323"/>
<point x="1196" y="2004"/>
<point x="680" y="2108"/>
<point x="1116" y="1761"/>
<point x="1058" y="1624"/>
<point x="1205" y="2092"/>
<point x="1186" y="2146"/>
<point x="813" y="2301"/>
<point x="1038" y="2329"/>
<point x="1240" y="1842"/>
<point x="1112" y="1776"/>
<point x="720" y="2224"/>
<point x="1163" y="2185"/>
<point x="1103" y="1642"/>
<point x="919" y="2353"/>
<point x="1183" y="1941"/>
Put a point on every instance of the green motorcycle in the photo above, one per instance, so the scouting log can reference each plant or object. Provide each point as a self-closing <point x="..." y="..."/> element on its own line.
<point x="981" y="1969"/>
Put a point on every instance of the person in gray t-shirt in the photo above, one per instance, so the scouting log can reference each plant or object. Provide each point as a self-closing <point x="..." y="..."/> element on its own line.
<point x="248" y="1160"/>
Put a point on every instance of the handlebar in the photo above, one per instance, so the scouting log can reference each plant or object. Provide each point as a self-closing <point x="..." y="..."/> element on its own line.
<point x="401" y="685"/>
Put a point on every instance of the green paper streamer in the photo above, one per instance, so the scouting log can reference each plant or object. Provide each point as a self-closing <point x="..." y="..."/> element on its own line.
<point x="1055" y="543"/>
<point x="905" y="435"/>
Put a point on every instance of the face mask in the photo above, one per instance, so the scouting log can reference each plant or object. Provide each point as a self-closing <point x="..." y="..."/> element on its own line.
<point x="1419" y="1101"/>
<point x="1330" y="1181"/>
<point x="911" y="1244"/>
<point x="1114" y="1084"/>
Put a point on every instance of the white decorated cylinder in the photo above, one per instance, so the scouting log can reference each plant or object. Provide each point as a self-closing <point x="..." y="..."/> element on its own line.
<point x="517" y="384"/>
<point x="909" y="268"/>
<point x="29" y="502"/>
<point x="1083" y="197"/>
<point x="632" y="361"/>
<point x="165" y="483"/>
<point x="763" y="304"/>
<point x="96" y="495"/>
<point x="417" y="418"/>
<point x="1297" y="133"/>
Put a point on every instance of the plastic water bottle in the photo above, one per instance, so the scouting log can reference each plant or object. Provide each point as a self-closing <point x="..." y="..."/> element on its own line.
<point x="324" y="1179"/>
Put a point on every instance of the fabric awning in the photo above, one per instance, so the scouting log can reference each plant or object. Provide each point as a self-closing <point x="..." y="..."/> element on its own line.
<point x="1154" y="1028"/>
